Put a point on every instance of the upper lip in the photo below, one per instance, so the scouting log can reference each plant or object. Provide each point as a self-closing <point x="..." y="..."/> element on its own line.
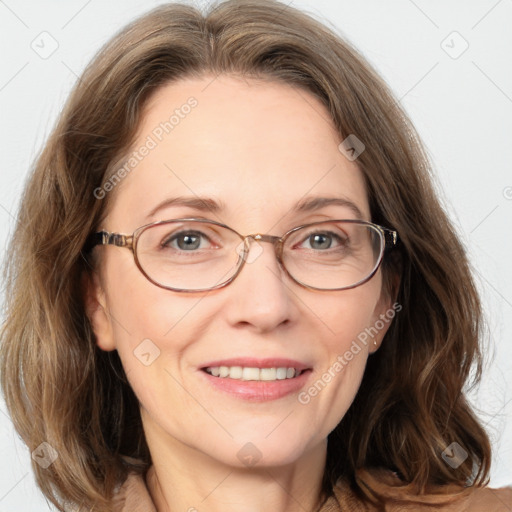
<point x="253" y="362"/>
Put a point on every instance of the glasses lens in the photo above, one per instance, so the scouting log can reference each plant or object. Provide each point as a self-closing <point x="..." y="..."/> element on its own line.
<point x="188" y="255"/>
<point x="333" y="255"/>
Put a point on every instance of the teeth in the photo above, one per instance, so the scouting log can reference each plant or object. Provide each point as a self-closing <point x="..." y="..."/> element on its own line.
<point x="247" y="373"/>
<point x="250" y="374"/>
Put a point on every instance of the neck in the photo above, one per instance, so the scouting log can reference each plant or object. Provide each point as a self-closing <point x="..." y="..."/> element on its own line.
<point x="182" y="479"/>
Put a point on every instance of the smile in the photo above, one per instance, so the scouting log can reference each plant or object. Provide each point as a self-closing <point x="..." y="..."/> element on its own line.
<point x="252" y="373"/>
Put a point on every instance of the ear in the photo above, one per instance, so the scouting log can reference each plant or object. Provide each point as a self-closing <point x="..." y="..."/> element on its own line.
<point x="385" y="311"/>
<point x="97" y="311"/>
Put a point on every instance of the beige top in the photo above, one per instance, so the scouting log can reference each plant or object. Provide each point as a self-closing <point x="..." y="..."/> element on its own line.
<point x="133" y="496"/>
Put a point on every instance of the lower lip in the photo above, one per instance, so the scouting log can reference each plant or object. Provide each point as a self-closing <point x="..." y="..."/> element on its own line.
<point x="258" y="390"/>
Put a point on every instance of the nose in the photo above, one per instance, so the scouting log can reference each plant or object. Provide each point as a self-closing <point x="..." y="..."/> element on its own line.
<point x="260" y="296"/>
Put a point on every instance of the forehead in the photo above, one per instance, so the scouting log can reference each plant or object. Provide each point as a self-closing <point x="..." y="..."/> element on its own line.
<point x="257" y="147"/>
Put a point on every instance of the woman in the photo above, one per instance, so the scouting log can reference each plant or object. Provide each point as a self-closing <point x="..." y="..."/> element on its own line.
<point x="159" y="353"/>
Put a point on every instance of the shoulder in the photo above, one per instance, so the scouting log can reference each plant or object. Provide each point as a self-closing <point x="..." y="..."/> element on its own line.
<point x="133" y="496"/>
<point x="486" y="498"/>
<point x="376" y="487"/>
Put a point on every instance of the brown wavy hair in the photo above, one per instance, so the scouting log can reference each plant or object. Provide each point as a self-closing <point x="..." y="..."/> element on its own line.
<point x="60" y="388"/>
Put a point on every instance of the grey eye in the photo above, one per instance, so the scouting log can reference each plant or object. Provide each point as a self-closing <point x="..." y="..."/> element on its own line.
<point x="185" y="240"/>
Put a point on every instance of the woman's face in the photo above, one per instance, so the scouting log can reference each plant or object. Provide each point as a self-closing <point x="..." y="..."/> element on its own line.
<point x="257" y="149"/>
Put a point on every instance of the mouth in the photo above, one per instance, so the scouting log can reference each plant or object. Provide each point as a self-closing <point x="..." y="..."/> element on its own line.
<point x="257" y="379"/>
<point x="253" y="373"/>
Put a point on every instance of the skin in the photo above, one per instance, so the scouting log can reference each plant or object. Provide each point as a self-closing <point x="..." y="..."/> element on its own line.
<point x="259" y="147"/>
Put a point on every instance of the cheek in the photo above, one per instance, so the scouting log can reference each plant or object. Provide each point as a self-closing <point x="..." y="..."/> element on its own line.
<point x="139" y="308"/>
<point x="334" y="386"/>
<point x="351" y="316"/>
<point x="155" y="334"/>
<point x="150" y="325"/>
<point x="349" y="321"/>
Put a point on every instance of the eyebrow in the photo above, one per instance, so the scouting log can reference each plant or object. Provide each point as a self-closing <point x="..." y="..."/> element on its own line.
<point x="207" y="204"/>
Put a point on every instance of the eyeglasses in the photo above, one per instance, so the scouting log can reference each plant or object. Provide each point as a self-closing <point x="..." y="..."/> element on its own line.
<point x="193" y="255"/>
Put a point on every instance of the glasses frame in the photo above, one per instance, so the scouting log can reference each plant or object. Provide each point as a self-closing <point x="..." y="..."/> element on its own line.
<point x="389" y="238"/>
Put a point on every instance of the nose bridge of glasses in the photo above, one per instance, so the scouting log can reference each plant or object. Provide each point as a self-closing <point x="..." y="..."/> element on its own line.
<point x="259" y="237"/>
<point x="276" y="241"/>
<point x="265" y="238"/>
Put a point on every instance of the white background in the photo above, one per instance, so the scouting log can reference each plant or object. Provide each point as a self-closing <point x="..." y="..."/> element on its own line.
<point x="462" y="108"/>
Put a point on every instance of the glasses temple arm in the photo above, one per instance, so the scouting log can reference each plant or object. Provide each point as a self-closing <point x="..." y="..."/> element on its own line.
<point x="106" y="238"/>
<point x="390" y="238"/>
